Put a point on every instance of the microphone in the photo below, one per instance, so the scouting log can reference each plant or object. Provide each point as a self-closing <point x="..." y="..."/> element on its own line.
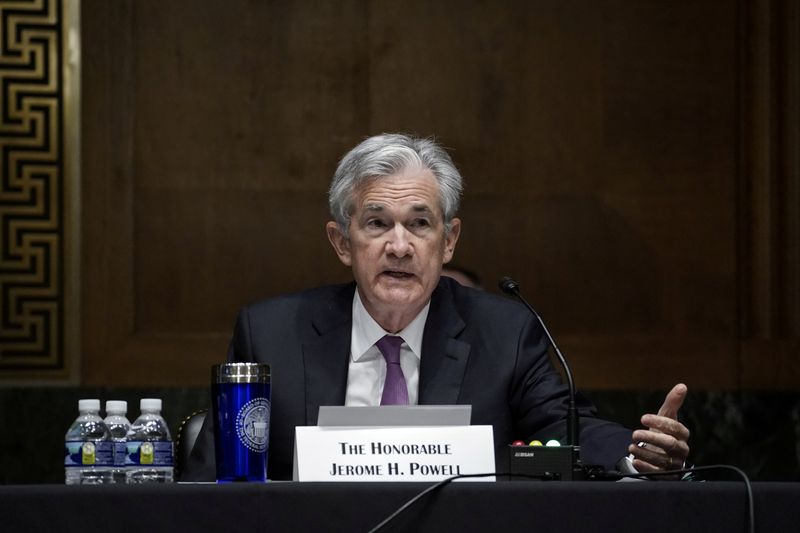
<point x="511" y="287"/>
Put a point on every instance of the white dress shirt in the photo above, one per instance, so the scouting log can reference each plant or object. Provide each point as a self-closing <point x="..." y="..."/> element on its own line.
<point x="367" y="369"/>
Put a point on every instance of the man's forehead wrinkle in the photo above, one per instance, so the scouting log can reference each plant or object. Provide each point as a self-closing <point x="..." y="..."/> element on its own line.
<point x="398" y="194"/>
<point x="395" y="191"/>
<point x="417" y="207"/>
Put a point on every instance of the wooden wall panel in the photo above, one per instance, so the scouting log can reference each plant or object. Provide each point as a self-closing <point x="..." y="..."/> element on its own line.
<point x="602" y="146"/>
<point x="599" y="150"/>
<point x="770" y="199"/>
<point x="107" y="201"/>
<point x="229" y="191"/>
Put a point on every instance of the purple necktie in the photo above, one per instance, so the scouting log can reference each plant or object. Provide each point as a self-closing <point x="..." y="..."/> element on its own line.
<point x="395" y="391"/>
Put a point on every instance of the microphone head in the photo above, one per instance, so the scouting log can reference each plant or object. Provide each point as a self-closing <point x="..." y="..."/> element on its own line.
<point x="509" y="286"/>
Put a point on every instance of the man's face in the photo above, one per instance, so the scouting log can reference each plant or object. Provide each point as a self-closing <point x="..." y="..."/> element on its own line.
<point x="397" y="243"/>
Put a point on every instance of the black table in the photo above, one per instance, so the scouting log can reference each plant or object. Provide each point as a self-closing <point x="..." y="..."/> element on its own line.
<point x="539" y="507"/>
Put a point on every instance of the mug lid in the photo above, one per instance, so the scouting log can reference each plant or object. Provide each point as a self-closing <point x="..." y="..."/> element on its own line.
<point x="240" y="373"/>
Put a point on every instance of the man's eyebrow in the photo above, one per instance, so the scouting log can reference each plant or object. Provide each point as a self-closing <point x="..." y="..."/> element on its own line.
<point x="421" y="208"/>
<point x="416" y="208"/>
<point x="374" y="207"/>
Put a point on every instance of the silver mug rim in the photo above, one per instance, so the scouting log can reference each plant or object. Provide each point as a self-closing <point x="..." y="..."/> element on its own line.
<point x="240" y="373"/>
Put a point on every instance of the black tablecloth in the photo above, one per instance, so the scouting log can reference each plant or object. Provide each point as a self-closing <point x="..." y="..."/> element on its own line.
<point x="539" y="507"/>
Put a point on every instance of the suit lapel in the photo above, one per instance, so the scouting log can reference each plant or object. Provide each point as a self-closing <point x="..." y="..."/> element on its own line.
<point x="326" y="352"/>
<point x="444" y="357"/>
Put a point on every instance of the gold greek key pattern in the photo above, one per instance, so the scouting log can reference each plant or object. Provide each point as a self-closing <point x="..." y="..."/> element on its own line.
<point x="32" y="201"/>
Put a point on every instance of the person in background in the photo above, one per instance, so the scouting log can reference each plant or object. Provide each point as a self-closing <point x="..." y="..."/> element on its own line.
<point x="401" y="333"/>
<point x="465" y="277"/>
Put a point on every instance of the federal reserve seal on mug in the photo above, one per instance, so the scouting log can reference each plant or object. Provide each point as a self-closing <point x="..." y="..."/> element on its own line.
<point x="252" y="424"/>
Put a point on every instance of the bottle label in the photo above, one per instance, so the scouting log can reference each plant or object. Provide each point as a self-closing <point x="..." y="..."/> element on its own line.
<point x="147" y="453"/>
<point x="88" y="453"/>
<point x="120" y="452"/>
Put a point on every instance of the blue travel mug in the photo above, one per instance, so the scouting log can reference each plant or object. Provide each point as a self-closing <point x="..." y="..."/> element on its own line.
<point x="241" y="407"/>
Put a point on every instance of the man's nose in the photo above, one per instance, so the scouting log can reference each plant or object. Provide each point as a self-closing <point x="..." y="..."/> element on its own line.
<point x="399" y="243"/>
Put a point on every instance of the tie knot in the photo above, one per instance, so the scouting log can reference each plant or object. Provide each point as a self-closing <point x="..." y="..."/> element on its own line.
<point x="389" y="345"/>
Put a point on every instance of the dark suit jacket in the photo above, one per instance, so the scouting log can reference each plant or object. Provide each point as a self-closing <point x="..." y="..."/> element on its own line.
<point x="477" y="348"/>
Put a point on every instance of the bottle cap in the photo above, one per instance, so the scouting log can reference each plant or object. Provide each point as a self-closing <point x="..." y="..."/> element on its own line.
<point x="89" y="405"/>
<point x="150" y="404"/>
<point x="116" y="406"/>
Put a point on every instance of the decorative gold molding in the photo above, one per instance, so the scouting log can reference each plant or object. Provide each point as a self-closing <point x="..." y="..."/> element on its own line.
<point x="39" y="165"/>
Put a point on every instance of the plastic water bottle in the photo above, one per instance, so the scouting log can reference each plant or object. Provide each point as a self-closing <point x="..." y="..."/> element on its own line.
<point x="149" y="456"/>
<point x="88" y="450"/>
<point x="118" y="425"/>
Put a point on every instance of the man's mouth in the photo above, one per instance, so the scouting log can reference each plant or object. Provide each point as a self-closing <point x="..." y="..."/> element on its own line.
<point x="397" y="274"/>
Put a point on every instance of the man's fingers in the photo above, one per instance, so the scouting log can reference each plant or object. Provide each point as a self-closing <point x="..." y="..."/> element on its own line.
<point x="663" y="445"/>
<point x="653" y="457"/>
<point x="673" y="401"/>
<point x="644" y="466"/>
<point x="666" y="425"/>
<point x="655" y="443"/>
<point x="653" y="440"/>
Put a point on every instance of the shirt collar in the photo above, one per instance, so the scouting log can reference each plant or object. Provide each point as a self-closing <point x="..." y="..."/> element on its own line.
<point x="366" y="332"/>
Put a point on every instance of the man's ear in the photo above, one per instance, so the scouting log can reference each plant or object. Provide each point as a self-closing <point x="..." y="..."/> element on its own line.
<point x="340" y="243"/>
<point x="450" y="239"/>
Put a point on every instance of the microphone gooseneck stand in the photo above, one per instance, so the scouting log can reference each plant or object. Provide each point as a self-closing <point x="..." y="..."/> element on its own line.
<point x="511" y="287"/>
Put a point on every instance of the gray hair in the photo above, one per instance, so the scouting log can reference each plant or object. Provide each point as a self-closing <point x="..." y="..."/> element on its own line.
<point x="386" y="155"/>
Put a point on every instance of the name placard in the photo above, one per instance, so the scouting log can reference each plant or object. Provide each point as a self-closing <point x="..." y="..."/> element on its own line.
<point x="392" y="454"/>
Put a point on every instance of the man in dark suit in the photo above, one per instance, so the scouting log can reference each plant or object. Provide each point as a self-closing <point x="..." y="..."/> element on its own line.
<point x="394" y="199"/>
